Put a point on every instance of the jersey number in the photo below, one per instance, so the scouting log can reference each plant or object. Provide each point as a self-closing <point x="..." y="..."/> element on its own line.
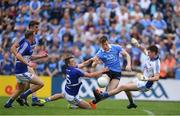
<point x="68" y="80"/>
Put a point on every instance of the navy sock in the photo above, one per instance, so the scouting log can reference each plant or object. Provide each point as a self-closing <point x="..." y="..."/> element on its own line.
<point x="47" y="99"/>
<point x="34" y="99"/>
<point x="10" y="101"/>
<point x="105" y="95"/>
<point x="26" y="93"/>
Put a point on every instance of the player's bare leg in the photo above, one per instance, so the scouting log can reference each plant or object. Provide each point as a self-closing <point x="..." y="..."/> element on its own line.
<point x="131" y="101"/>
<point x="19" y="90"/>
<point x="113" y="84"/>
<point x="35" y="100"/>
<point x="38" y="84"/>
<point x="52" y="98"/>
<point x="19" y="100"/>
<point x="127" y="88"/>
<point x="85" y="105"/>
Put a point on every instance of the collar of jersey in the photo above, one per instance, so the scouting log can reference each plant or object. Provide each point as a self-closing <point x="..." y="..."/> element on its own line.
<point x="72" y="67"/>
<point x="27" y="41"/>
<point x="110" y="46"/>
<point x="153" y="59"/>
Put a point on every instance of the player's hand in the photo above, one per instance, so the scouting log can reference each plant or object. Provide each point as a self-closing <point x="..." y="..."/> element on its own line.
<point x="105" y="70"/>
<point x="141" y="77"/>
<point x="32" y="64"/>
<point x="128" y="68"/>
<point x="135" y="42"/>
<point x="43" y="53"/>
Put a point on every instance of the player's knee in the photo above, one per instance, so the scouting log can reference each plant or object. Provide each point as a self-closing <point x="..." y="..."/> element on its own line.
<point x="123" y="87"/>
<point x="41" y="84"/>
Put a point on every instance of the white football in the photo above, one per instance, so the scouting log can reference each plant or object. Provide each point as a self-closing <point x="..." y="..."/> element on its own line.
<point x="103" y="81"/>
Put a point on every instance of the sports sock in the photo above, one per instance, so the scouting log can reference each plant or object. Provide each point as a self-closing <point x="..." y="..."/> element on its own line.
<point x="34" y="99"/>
<point x="105" y="95"/>
<point x="10" y="101"/>
<point x="47" y="99"/>
<point x="26" y="93"/>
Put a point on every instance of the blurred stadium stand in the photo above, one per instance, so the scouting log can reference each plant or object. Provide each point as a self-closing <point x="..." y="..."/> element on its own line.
<point x="73" y="27"/>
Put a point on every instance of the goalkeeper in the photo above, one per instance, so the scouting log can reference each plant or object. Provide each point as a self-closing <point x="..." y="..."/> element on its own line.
<point x="143" y="82"/>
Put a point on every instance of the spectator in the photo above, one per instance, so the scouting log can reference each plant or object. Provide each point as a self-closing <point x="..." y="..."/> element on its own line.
<point x="123" y="14"/>
<point x="159" y="24"/>
<point x="35" y="6"/>
<point x="136" y="14"/>
<point x="153" y="7"/>
<point x="177" y="67"/>
<point x="146" y="21"/>
<point x="176" y="18"/>
<point x="7" y="66"/>
<point x="51" y="67"/>
<point x="144" y="4"/>
<point x="41" y="66"/>
<point x="74" y="26"/>
<point x="88" y="45"/>
<point x="167" y="66"/>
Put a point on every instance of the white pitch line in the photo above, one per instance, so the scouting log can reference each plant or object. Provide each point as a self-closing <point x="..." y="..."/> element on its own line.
<point x="149" y="112"/>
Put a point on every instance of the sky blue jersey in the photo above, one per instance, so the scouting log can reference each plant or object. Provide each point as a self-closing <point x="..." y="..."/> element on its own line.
<point x="111" y="58"/>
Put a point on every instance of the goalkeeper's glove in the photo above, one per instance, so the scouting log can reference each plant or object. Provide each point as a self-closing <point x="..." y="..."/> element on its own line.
<point x="135" y="42"/>
<point x="141" y="77"/>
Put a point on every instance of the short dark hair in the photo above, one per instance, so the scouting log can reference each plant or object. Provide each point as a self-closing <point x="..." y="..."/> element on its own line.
<point x="67" y="60"/>
<point x="29" y="33"/>
<point x="153" y="48"/>
<point x="103" y="39"/>
<point x="33" y="23"/>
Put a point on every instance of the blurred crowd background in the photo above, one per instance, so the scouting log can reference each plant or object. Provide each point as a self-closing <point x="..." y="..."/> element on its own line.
<point x="73" y="27"/>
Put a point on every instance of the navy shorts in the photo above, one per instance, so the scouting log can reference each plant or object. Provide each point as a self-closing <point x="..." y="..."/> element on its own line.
<point x="113" y="74"/>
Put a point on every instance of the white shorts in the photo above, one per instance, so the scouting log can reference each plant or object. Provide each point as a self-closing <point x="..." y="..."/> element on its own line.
<point x="23" y="77"/>
<point x="141" y="85"/>
<point x="73" y="100"/>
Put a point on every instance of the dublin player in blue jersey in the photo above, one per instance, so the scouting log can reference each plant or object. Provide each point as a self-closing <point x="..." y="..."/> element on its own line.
<point x="143" y="82"/>
<point x="33" y="26"/>
<point x="24" y="57"/>
<point x="73" y="84"/>
<point x="109" y="56"/>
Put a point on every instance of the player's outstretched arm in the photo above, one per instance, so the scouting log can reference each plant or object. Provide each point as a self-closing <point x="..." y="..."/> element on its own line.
<point x="128" y="66"/>
<point x="14" y="48"/>
<point x="20" y="58"/>
<point x="136" y="43"/>
<point x="154" y="78"/>
<point x="85" y="63"/>
<point x="95" y="74"/>
<point x="42" y="54"/>
<point x="96" y="61"/>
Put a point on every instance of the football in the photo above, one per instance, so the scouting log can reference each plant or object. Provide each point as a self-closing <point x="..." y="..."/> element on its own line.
<point x="103" y="81"/>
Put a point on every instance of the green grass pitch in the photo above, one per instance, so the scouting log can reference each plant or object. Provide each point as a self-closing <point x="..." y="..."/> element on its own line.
<point x="107" y="107"/>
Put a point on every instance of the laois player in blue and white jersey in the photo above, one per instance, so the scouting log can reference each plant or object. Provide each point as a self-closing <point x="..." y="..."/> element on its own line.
<point x="24" y="56"/>
<point x="73" y="83"/>
<point x="33" y="26"/>
<point x="143" y="82"/>
<point x="109" y="55"/>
